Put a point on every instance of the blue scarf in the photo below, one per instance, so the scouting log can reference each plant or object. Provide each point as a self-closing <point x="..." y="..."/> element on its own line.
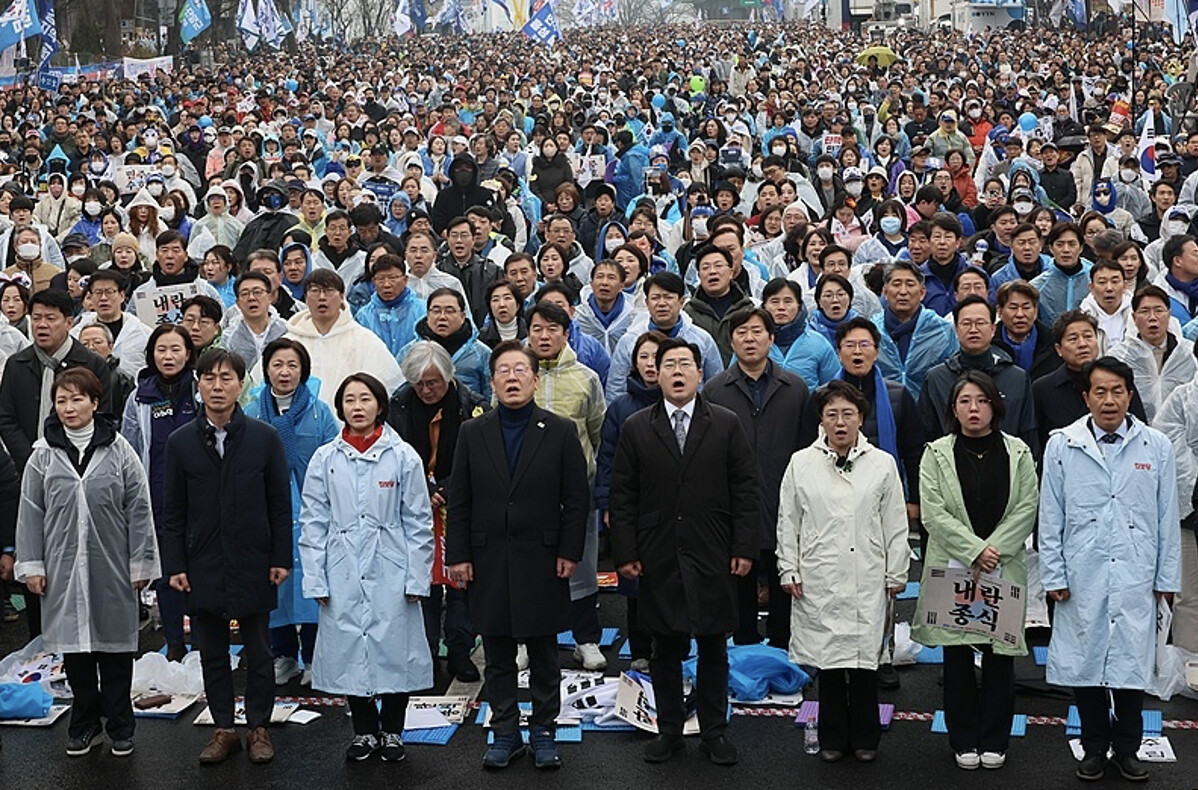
<point x="901" y="332"/>
<point x="607" y="318"/>
<point x="301" y="401"/>
<point x="1190" y="289"/>
<point x="887" y="429"/>
<point x="391" y="305"/>
<point x="1025" y="352"/>
<point x="672" y="332"/>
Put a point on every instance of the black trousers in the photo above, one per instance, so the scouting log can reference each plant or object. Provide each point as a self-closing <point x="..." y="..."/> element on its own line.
<point x="584" y="620"/>
<point x="370" y="720"/>
<point x="1100" y="731"/>
<point x="978" y="718"/>
<point x="640" y="641"/>
<point x="848" y="709"/>
<point x="211" y="636"/>
<point x="459" y="635"/>
<point x="777" y="623"/>
<point x="502" y="683"/>
<point x="711" y="685"/>
<point x="33" y="614"/>
<point x="101" y="684"/>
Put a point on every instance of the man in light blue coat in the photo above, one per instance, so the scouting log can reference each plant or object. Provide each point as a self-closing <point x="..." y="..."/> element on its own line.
<point x="1109" y="551"/>
<point x="914" y="338"/>
<point x="394" y="309"/>
<point x="1065" y="283"/>
<point x="665" y="293"/>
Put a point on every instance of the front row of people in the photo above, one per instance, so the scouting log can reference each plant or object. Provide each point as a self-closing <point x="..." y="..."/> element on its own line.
<point x="684" y="514"/>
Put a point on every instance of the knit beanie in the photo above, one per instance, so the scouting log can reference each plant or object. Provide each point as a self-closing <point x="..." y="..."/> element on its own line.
<point x="124" y="239"/>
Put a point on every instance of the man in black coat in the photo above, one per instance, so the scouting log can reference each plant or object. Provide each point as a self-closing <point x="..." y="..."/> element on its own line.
<point x="266" y="231"/>
<point x="462" y="193"/>
<point x="474" y="272"/>
<point x="516" y="531"/>
<point x="428" y="413"/>
<point x="769" y="401"/>
<point x="1058" y="395"/>
<point x="226" y="542"/>
<point x="685" y="518"/>
<point x="29" y="373"/>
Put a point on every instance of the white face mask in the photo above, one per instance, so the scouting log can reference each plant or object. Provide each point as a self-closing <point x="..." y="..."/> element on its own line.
<point x="975" y="113"/>
<point x="854" y="188"/>
<point x="166" y="213"/>
<point x="1128" y="176"/>
<point x="824" y="173"/>
<point x="611" y="245"/>
<point x="1177" y="228"/>
<point x="778" y="150"/>
<point x="97" y="167"/>
<point x="155" y="189"/>
<point x="78" y="190"/>
<point x="92" y="207"/>
<point x="1023" y="207"/>
<point x="29" y="251"/>
<point x="168" y="171"/>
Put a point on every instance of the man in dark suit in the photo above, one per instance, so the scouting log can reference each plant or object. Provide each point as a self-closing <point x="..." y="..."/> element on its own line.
<point x="25" y="390"/>
<point x="1058" y="395"/>
<point x="226" y="542"/>
<point x="769" y="401"/>
<point x="516" y="530"/>
<point x="685" y="516"/>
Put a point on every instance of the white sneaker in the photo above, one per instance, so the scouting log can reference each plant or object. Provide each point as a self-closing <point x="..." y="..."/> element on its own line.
<point x="286" y="670"/>
<point x="969" y="760"/>
<point x="306" y="678"/>
<point x="993" y="760"/>
<point x="521" y="657"/>
<point x="640" y="665"/>
<point x="590" y="656"/>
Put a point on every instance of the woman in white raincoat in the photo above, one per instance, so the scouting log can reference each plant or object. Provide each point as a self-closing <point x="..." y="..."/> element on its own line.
<point x="366" y="544"/>
<point x="842" y="551"/>
<point x="86" y="544"/>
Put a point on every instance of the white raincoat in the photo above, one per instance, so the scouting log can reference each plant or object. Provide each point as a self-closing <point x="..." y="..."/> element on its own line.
<point x="366" y="542"/>
<point x="842" y="534"/>
<point x="92" y="538"/>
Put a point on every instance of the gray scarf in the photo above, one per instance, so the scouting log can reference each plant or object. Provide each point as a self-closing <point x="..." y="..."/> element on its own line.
<point x="51" y="363"/>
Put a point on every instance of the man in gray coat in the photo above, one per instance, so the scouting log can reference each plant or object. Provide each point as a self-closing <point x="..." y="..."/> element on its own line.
<point x="769" y="401"/>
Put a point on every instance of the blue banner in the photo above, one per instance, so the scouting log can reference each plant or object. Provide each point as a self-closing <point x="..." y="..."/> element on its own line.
<point x="542" y="23"/>
<point x="49" y="35"/>
<point x="49" y="81"/>
<point x="194" y="19"/>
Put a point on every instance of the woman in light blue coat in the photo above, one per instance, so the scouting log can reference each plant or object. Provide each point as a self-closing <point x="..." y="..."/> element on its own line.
<point x="289" y="401"/>
<point x="366" y="547"/>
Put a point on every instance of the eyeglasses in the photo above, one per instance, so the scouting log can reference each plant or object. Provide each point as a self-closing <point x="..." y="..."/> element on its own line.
<point x="974" y="324"/>
<point x="678" y="364"/>
<point x="1154" y="312"/>
<point x="461" y="236"/>
<point x="388" y="279"/>
<point x="104" y="293"/>
<point x="321" y="290"/>
<point x="967" y="402"/>
<point x="443" y="311"/>
<point x="520" y="370"/>
<point x="859" y="345"/>
<point x="192" y="320"/>
<point x="254" y="293"/>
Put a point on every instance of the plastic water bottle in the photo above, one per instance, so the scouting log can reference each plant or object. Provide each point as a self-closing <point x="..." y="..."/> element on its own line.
<point x="811" y="737"/>
<point x="980" y="248"/>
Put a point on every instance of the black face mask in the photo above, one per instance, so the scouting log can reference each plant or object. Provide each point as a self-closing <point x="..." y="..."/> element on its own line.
<point x="462" y="178"/>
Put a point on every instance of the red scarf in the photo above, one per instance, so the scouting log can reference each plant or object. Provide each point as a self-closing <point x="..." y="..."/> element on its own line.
<point x="362" y="443"/>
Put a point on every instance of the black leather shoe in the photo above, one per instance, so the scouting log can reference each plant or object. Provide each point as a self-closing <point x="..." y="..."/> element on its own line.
<point x="1130" y="768"/>
<point x="888" y="677"/>
<point x="663" y="747"/>
<point x="719" y="750"/>
<point x="1092" y="767"/>
<point x="462" y="668"/>
<point x="866" y="755"/>
<point x="831" y="755"/>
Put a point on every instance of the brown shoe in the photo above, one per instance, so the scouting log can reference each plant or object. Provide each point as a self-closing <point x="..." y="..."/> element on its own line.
<point x="259" y="745"/>
<point x="223" y="743"/>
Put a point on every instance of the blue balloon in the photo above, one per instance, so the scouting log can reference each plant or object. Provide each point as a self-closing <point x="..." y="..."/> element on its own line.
<point x="659" y="101"/>
<point x="291" y="85"/>
<point x="1028" y="122"/>
<point x="205" y="121"/>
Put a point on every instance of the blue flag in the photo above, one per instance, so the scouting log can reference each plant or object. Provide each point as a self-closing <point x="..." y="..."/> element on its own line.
<point x="1078" y="13"/>
<point x="18" y="22"/>
<point x="542" y="23"/>
<point x="194" y="19"/>
<point x="419" y="15"/>
<point x="49" y="35"/>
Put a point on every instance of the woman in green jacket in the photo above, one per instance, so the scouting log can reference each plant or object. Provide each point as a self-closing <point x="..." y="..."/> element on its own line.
<point x="979" y="499"/>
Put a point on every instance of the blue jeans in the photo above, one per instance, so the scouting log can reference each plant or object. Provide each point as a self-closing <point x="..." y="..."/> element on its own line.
<point x="170" y="609"/>
<point x="286" y="642"/>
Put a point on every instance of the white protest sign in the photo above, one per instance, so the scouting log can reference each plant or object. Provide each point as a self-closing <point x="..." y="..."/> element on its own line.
<point x="1152" y="750"/>
<point x="130" y="178"/>
<point x="635" y="704"/>
<point x="135" y="67"/>
<point x="955" y="599"/>
<point x="163" y="304"/>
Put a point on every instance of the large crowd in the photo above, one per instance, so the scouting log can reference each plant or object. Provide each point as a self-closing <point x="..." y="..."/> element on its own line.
<point x="368" y="348"/>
